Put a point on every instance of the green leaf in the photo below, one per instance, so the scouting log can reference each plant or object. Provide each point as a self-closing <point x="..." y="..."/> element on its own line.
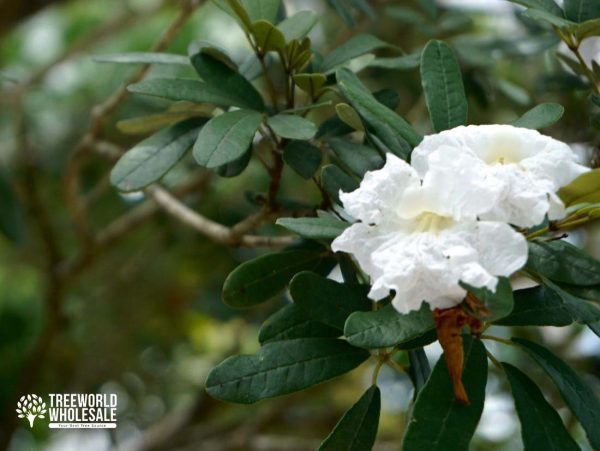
<point x="268" y="37"/>
<point x="582" y="10"/>
<point x="443" y="86"/>
<point x="438" y="422"/>
<point x="310" y="83"/>
<point x="543" y="16"/>
<point x="235" y="9"/>
<point x="544" y="5"/>
<point x="404" y="62"/>
<point x="282" y="367"/>
<point x="587" y="29"/>
<point x="335" y="180"/>
<point x="303" y="158"/>
<point x="562" y="262"/>
<point x="541" y="426"/>
<point x="394" y="131"/>
<point x="580" y="398"/>
<point x="149" y="124"/>
<point x="326" y="300"/>
<point x="187" y="90"/>
<point x="352" y="48"/>
<point x="349" y="116"/>
<point x="419" y="369"/>
<point x="293" y="322"/>
<point x="236" y="167"/>
<point x="262" y="9"/>
<point x="151" y="159"/>
<point x="585" y="188"/>
<point x="540" y="116"/>
<point x="386" y="327"/>
<point x="548" y="306"/>
<point x="314" y="228"/>
<point x="226" y="79"/>
<point x="292" y="127"/>
<point x="12" y="219"/>
<point x="143" y="58"/>
<point x="499" y="303"/>
<point x="591" y="293"/>
<point x="226" y="138"/>
<point x="357" y="429"/>
<point x="259" y="280"/>
<point x="358" y="158"/>
<point x="298" y="25"/>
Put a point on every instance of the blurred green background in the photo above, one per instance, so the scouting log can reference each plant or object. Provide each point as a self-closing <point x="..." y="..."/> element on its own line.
<point x="143" y="316"/>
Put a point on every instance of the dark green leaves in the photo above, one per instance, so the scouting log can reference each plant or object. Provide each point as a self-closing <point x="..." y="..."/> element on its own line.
<point x="582" y="10"/>
<point x="499" y="303"/>
<point x="336" y="180"/>
<point x="258" y="280"/>
<point x="438" y="422"/>
<point x="303" y="158"/>
<point x="357" y="429"/>
<point x="326" y="300"/>
<point x="357" y="157"/>
<point x="227" y="80"/>
<point x="562" y="262"/>
<point x="148" y="161"/>
<point x="292" y="127"/>
<point x="282" y="367"/>
<point x="541" y="426"/>
<point x="354" y="47"/>
<point x="298" y="25"/>
<point x="540" y="116"/>
<point x="443" y="86"/>
<point x="386" y="327"/>
<point x="393" y="131"/>
<point x="324" y="228"/>
<point x="292" y="321"/>
<point x="226" y="138"/>
<point x="580" y="398"/>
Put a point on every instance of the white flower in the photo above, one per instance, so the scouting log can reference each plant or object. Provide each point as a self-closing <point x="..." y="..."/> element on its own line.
<point x="420" y="237"/>
<point x="525" y="167"/>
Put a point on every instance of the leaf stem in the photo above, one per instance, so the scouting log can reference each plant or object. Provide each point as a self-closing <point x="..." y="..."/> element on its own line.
<point x="498" y="339"/>
<point x="377" y="369"/>
<point x="493" y="359"/>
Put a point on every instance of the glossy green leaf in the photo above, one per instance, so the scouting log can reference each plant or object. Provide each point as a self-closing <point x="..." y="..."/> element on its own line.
<point x="143" y="58"/>
<point x="310" y="83"/>
<point x="394" y="131"/>
<point x="292" y="127"/>
<point x="562" y="262"/>
<point x="298" y="25"/>
<point x="303" y="158"/>
<point x="438" y="421"/>
<point x="349" y="116"/>
<point x="291" y="322"/>
<point x="549" y="6"/>
<point x="499" y="303"/>
<point x="226" y="79"/>
<point x="585" y="188"/>
<point x="443" y="87"/>
<point x="226" y="138"/>
<point x="335" y="180"/>
<point x="151" y="159"/>
<point x="580" y="398"/>
<point x="357" y="429"/>
<point x="314" y="228"/>
<point x="386" y="327"/>
<point x="352" y="48"/>
<point x="549" y="306"/>
<point x="326" y="300"/>
<point x="357" y="157"/>
<point x="582" y="10"/>
<point x="12" y="219"/>
<point x="268" y="37"/>
<point x="187" y="90"/>
<point x="259" y="280"/>
<point x="541" y="426"/>
<point x="540" y="116"/>
<point x="282" y="367"/>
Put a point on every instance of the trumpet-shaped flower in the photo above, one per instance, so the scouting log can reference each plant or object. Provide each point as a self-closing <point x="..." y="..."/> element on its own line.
<point x="526" y="167"/>
<point x="419" y="236"/>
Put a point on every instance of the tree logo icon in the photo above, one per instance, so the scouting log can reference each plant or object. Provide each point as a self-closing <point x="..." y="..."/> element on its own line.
<point x="31" y="407"/>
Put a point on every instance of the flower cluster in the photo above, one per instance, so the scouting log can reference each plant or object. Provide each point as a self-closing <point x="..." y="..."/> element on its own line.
<point x="448" y="216"/>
